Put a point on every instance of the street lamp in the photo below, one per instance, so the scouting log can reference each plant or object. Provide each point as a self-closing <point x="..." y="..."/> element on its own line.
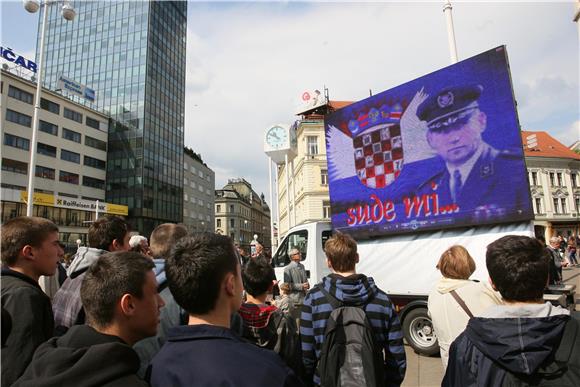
<point x="68" y="13"/>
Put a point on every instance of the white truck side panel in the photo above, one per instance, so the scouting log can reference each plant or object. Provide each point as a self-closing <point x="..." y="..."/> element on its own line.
<point x="406" y="264"/>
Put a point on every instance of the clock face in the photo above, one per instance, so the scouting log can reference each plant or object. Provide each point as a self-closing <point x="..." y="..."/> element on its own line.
<point x="277" y="137"/>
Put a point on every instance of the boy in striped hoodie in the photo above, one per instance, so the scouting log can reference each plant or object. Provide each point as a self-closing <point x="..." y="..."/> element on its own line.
<point x="351" y="289"/>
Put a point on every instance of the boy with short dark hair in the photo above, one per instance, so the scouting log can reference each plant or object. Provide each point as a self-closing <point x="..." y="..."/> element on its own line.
<point x="204" y="277"/>
<point x="108" y="233"/>
<point x="265" y="325"/>
<point x="30" y="249"/>
<point x="348" y="288"/>
<point x="524" y="341"/>
<point x="119" y="294"/>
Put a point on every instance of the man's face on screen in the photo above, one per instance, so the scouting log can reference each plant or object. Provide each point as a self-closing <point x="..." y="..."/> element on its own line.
<point x="457" y="143"/>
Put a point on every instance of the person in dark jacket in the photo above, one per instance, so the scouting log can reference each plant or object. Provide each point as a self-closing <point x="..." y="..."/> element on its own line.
<point x="163" y="238"/>
<point x="204" y="277"/>
<point x="263" y="324"/>
<point x="121" y="302"/>
<point x="108" y="233"/>
<point x="30" y="249"/>
<point x="354" y="289"/>
<point x="525" y="341"/>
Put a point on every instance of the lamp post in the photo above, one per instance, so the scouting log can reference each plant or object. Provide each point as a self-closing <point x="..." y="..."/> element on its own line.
<point x="68" y="13"/>
<point x="450" y="31"/>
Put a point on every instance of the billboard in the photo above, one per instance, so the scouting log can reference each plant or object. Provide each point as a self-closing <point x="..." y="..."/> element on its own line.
<point x="75" y="88"/>
<point x="441" y="151"/>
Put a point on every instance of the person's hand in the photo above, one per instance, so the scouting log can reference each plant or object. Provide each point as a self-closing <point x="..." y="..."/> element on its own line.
<point x="306" y="285"/>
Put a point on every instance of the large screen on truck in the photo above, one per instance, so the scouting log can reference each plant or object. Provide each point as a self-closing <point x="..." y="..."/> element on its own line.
<point x="441" y="151"/>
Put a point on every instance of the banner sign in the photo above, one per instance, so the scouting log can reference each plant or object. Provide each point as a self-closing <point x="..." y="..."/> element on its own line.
<point x="73" y="87"/>
<point x="441" y="151"/>
<point x="11" y="56"/>
<point x="42" y="199"/>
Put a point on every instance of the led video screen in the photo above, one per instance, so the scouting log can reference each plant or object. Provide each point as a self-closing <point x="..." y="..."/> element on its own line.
<point x="441" y="151"/>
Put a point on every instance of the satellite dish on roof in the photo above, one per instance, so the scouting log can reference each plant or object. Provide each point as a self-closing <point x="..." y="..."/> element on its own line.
<point x="5" y="66"/>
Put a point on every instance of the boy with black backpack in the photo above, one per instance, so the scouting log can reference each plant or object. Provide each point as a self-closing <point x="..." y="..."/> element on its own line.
<point x="263" y="324"/>
<point x="350" y="332"/>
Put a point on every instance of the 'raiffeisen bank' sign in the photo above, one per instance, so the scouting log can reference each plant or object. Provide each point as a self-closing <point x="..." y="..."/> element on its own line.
<point x="42" y="199"/>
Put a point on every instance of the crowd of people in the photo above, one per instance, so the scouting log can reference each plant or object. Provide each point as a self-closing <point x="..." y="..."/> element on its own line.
<point x="180" y="309"/>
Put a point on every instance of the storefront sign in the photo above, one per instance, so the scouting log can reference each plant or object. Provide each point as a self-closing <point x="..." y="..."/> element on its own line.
<point x="11" y="56"/>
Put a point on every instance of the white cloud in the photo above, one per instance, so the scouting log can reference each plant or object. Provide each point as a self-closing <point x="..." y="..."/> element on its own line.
<point x="248" y="64"/>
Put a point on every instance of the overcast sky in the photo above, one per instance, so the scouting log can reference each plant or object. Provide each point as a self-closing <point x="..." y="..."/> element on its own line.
<point x="249" y="63"/>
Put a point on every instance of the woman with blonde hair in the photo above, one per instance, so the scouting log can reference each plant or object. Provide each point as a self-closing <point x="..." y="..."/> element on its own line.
<point x="456" y="298"/>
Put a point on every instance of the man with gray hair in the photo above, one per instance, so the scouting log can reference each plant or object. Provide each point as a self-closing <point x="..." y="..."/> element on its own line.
<point x="555" y="261"/>
<point x="295" y="276"/>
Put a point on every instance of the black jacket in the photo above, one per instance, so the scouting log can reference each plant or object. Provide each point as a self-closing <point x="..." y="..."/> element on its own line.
<point x="82" y="357"/>
<point x="207" y="355"/>
<point x="30" y="312"/>
<point x="516" y="352"/>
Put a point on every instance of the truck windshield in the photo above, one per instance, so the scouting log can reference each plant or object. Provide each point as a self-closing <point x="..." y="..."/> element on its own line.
<point x="296" y="240"/>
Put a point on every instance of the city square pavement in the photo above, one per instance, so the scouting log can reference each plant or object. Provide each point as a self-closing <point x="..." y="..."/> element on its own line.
<point x="428" y="371"/>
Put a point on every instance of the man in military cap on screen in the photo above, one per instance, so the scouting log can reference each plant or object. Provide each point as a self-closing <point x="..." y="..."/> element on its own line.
<point x="469" y="172"/>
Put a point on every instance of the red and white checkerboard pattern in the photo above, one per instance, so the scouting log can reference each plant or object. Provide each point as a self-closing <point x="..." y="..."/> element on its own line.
<point x="378" y="156"/>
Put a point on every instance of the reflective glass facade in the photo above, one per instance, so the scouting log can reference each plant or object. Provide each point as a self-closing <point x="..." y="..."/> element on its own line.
<point x="132" y="54"/>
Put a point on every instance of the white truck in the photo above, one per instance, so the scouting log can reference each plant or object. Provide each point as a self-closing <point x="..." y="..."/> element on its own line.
<point x="401" y="265"/>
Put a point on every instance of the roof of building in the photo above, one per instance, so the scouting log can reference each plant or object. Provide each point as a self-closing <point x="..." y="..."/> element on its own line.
<point x="339" y="104"/>
<point x="544" y="145"/>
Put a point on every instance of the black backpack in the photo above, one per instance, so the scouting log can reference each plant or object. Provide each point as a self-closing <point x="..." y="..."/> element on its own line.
<point x="350" y="355"/>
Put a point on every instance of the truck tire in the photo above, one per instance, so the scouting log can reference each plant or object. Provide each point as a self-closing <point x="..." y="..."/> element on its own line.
<point x="419" y="334"/>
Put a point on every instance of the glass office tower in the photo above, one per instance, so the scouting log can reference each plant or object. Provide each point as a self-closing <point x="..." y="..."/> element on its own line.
<point x="132" y="53"/>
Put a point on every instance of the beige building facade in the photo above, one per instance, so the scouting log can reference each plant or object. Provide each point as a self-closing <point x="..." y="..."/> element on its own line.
<point x="71" y="162"/>
<point x="241" y="213"/>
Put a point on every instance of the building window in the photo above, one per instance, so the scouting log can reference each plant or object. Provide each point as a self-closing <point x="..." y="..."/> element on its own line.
<point x="68" y="177"/>
<point x="185" y="197"/>
<point x="556" y="207"/>
<point x="326" y="210"/>
<point x="185" y="166"/>
<point x="218" y="208"/>
<point x="559" y="176"/>
<point x="563" y="206"/>
<point x="534" y="178"/>
<point x="72" y="115"/>
<point x="200" y="173"/>
<point x="47" y="150"/>
<point x="324" y="176"/>
<point x="94" y="183"/>
<point x="232" y="223"/>
<point x="573" y="177"/>
<point x="538" y="205"/>
<point x="231" y="208"/>
<point x="95" y="163"/>
<point x="94" y="143"/>
<point x="49" y="128"/>
<point x="14" y="166"/>
<point x="185" y="181"/>
<point x="49" y="106"/>
<point x="18" y="118"/>
<point x="312" y="142"/>
<point x="16" y="142"/>
<point x="20" y="95"/>
<point x="73" y="157"/>
<point x="552" y="177"/>
<point x="192" y="184"/>
<point x="44" y="172"/>
<point x="577" y="202"/>
<point x="92" y="123"/>
<point x="71" y="135"/>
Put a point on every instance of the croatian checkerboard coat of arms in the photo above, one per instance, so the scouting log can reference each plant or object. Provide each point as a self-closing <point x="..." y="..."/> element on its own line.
<point x="378" y="146"/>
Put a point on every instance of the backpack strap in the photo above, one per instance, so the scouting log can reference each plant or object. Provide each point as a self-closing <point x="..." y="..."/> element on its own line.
<point x="461" y="303"/>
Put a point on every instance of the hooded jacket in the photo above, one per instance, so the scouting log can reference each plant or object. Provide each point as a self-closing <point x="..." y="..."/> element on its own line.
<point x="30" y="313"/>
<point x="66" y="304"/>
<point x="171" y="315"/>
<point x="82" y="357"/>
<point x="270" y="328"/>
<point x="356" y="290"/>
<point x="448" y="318"/>
<point x="514" y="345"/>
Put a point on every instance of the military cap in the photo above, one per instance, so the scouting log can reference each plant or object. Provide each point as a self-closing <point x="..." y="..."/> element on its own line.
<point x="450" y="106"/>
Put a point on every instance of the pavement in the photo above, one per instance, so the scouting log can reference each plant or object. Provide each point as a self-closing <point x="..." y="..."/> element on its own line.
<point x="425" y="371"/>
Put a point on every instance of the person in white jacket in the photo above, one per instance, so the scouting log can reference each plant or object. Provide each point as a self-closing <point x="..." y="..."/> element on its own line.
<point x="456" y="298"/>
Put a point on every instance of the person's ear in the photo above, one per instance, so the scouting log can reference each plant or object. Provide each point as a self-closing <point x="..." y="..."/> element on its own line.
<point x="429" y="138"/>
<point x="230" y="284"/>
<point x="28" y="252"/>
<point x="492" y="284"/>
<point x="482" y="119"/>
<point x="127" y="305"/>
<point x="116" y="245"/>
<point x="328" y="264"/>
<point x="357" y="258"/>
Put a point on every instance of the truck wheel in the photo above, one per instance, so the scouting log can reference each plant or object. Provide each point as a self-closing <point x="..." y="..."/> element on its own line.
<point x="418" y="331"/>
